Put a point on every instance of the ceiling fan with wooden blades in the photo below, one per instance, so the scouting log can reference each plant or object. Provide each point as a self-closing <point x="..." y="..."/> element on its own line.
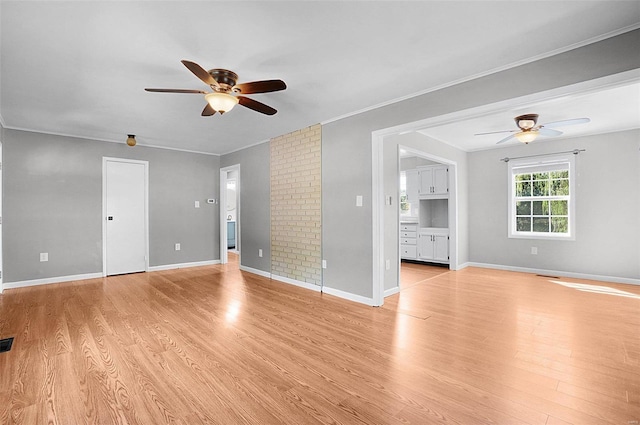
<point x="226" y="92"/>
<point x="529" y="129"/>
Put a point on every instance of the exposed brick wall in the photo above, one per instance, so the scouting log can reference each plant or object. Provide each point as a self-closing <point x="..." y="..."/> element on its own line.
<point x="296" y="205"/>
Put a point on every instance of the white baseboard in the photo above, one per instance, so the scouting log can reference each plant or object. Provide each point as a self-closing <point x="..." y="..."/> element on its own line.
<point x="349" y="296"/>
<point x="462" y="266"/>
<point x="255" y="271"/>
<point x="183" y="265"/>
<point x="299" y="283"/>
<point x="392" y="291"/>
<point x="60" y="279"/>
<point x="48" y="280"/>
<point x="612" y="279"/>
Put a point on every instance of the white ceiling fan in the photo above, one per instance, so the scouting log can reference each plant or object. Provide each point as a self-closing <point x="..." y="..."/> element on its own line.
<point x="529" y="129"/>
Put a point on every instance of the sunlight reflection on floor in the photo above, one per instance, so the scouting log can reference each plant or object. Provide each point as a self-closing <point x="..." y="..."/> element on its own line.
<point x="596" y="289"/>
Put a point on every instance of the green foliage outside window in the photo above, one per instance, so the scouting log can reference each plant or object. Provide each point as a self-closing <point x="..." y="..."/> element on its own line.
<point x="405" y="206"/>
<point x="542" y="202"/>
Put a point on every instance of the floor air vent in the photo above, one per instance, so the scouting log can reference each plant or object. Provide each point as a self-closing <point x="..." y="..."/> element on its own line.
<point x="5" y="344"/>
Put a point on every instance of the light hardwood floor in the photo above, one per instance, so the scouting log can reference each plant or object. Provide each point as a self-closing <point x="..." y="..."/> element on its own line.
<point x="214" y="345"/>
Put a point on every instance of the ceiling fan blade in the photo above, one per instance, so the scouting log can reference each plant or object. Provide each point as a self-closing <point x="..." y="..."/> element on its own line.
<point x="208" y="111"/>
<point x="563" y="123"/>
<point x="265" y="86"/>
<point x="176" y="91"/>
<point x="496" y="132"/>
<point x="506" y="139"/>
<point x="201" y="73"/>
<point x="543" y="131"/>
<point x="256" y="106"/>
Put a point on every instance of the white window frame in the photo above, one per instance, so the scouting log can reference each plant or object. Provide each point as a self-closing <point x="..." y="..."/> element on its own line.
<point x="542" y="164"/>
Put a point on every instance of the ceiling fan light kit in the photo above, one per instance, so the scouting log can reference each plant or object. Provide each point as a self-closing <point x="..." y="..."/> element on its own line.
<point x="221" y="102"/>
<point x="526" y="137"/>
<point x="223" y="84"/>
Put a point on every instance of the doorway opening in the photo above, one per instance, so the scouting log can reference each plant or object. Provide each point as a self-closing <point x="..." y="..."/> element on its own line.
<point x="424" y="216"/>
<point x="1" y="277"/>
<point x="386" y="227"/>
<point x="229" y="212"/>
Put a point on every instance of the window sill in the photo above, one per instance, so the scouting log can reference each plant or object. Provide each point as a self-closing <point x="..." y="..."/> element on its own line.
<point x="542" y="236"/>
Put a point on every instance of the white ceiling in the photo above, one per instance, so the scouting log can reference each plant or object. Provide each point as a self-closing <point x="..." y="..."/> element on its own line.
<point x="79" y="68"/>
<point x="609" y="109"/>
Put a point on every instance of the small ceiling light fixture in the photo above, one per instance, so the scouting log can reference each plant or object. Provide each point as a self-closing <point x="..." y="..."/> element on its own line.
<point x="131" y="140"/>
<point x="221" y="102"/>
<point x="526" y="136"/>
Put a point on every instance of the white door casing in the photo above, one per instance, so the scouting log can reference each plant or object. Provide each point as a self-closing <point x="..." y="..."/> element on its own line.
<point x="125" y="216"/>
<point x="377" y="210"/>
<point x="1" y="274"/>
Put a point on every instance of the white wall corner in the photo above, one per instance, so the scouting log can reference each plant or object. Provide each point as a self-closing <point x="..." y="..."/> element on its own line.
<point x="349" y="296"/>
<point x="299" y="283"/>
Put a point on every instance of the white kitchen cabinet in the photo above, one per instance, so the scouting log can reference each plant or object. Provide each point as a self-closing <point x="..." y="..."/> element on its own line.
<point x="408" y="241"/>
<point x="433" y="245"/>
<point x="441" y="248"/>
<point x="413" y="185"/>
<point x="434" y="181"/>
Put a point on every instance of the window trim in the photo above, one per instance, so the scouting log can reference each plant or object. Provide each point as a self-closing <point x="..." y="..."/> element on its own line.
<point x="519" y="166"/>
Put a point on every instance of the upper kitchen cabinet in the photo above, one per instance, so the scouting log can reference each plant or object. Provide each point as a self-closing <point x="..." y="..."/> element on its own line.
<point x="428" y="182"/>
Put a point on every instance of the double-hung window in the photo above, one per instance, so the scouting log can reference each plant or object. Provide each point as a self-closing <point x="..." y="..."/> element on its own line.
<point x="541" y="197"/>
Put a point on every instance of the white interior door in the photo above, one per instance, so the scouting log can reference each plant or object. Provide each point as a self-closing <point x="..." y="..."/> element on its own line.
<point x="125" y="208"/>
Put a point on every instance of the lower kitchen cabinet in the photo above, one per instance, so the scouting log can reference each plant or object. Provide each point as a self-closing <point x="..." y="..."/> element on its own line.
<point x="433" y="246"/>
<point x="408" y="241"/>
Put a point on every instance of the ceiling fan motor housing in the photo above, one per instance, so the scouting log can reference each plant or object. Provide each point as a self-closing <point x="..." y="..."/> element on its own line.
<point x="527" y="121"/>
<point x="227" y="79"/>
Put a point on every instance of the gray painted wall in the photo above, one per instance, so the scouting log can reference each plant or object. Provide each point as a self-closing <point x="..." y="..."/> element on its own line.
<point x="53" y="203"/>
<point x="53" y="184"/>
<point x="255" y="224"/>
<point x="607" y="203"/>
<point x="346" y="144"/>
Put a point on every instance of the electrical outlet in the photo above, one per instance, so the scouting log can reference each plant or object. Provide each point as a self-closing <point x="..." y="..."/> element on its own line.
<point x="177" y="247"/>
<point x="259" y="252"/>
<point x="44" y="256"/>
<point x="534" y="250"/>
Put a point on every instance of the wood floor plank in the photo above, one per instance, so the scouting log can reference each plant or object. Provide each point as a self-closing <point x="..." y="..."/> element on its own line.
<point x="216" y="345"/>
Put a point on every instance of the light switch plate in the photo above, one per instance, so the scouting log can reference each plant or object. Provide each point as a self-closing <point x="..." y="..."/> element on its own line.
<point x="359" y="201"/>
